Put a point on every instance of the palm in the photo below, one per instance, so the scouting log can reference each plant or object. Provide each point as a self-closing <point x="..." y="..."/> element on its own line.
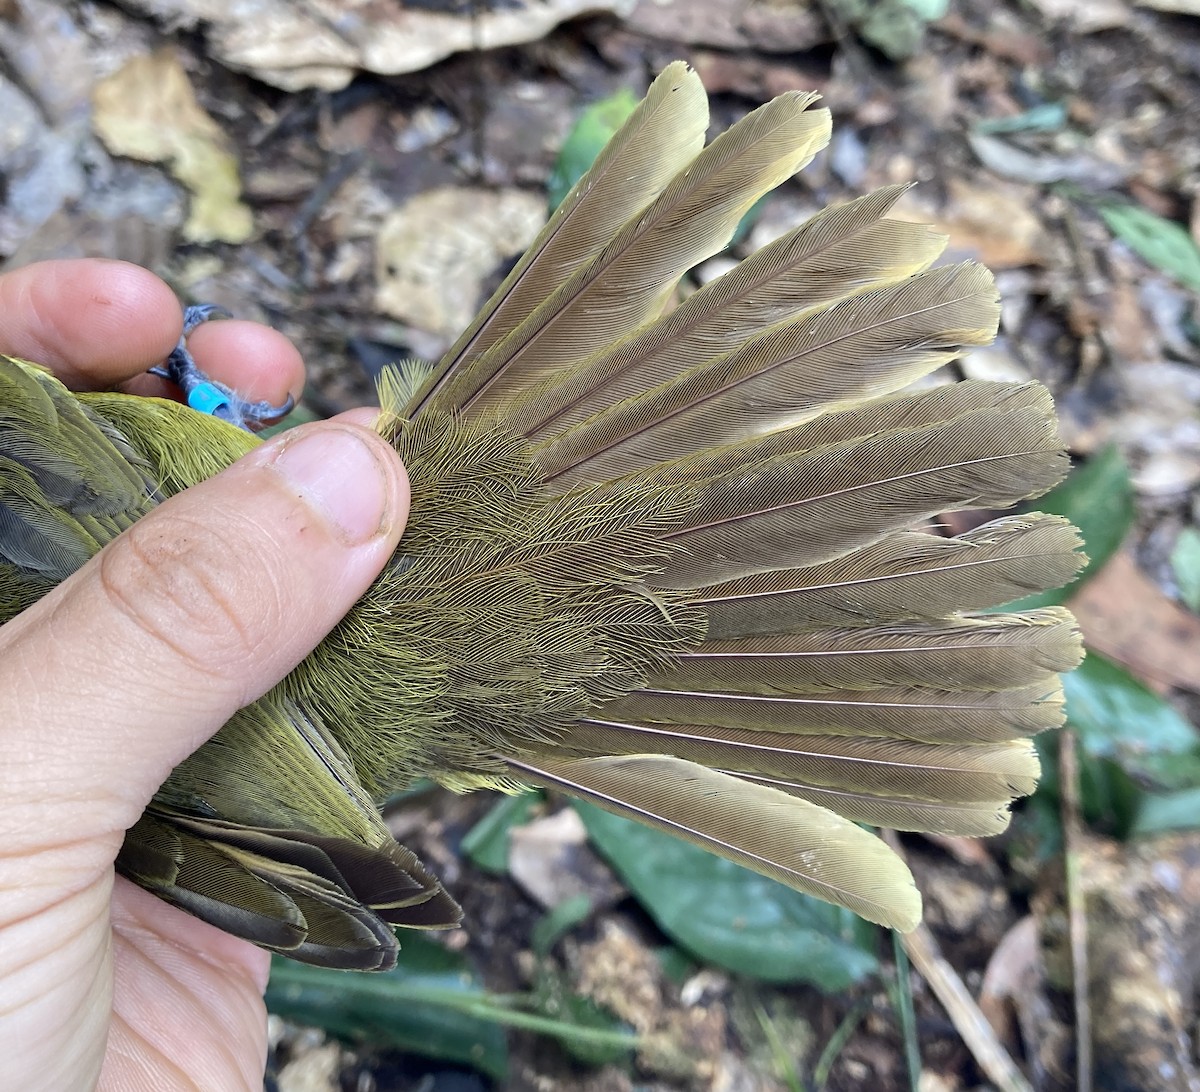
<point x="187" y="1006"/>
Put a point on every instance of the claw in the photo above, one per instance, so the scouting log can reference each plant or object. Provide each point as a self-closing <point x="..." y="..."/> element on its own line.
<point x="207" y="395"/>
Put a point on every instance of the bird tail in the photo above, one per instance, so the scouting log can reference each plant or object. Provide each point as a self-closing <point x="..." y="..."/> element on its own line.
<point x="851" y="673"/>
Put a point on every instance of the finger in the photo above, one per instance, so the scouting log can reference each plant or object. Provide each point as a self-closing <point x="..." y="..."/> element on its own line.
<point x="254" y="360"/>
<point x="100" y="324"/>
<point x="198" y="609"/>
<point x="95" y="322"/>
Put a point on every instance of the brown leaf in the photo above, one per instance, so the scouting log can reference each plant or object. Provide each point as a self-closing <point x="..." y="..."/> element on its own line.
<point x="994" y="222"/>
<point x="1125" y="616"/>
<point x="147" y="110"/>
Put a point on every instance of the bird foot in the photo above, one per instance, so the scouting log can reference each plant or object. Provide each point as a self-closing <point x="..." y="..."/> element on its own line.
<point x="206" y="395"/>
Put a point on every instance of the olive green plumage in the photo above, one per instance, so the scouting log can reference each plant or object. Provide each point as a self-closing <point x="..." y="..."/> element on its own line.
<point x="670" y="560"/>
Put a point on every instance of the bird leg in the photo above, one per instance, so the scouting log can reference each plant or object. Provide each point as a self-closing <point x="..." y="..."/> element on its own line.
<point x="206" y="395"/>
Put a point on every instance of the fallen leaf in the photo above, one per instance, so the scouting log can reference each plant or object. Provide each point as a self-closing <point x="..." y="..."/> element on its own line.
<point x="147" y="110"/>
<point x="551" y="861"/>
<point x="435" y="252"/>
<point x="1010" y="161"/>
<point x="994" y="223"/>
<point x="1013" y="994"/>
<point x="1086" y="16"/>
<point x="323" y="43"/>
<point x="1124" y="615"/>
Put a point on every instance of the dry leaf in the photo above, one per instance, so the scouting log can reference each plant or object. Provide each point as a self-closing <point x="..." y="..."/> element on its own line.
<point x="147" y="110"/>
<point x="996" y="224"/>
<point x="323" y="43"/>
<point x="435" y="252"/>
<point x="1125" y="616"/>
<point x="1014" y="998"/>
<point x="1086" y="16"/>
<point x="551" y="861"/>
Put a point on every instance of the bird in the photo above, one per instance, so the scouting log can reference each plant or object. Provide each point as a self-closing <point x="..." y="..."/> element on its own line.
<point x="675" y="554"/>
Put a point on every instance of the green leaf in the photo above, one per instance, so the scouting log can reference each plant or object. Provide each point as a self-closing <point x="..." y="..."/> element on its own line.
<point x="1129" y="740"/>
<point x="486" y="843"/>
<point x="591" y="132"/>
<point x="677" y="965"/>
<point x="725" y="914"/>
<point x="554" y="998"/>
<point x="1046" y="117"/>
<point x="1162" y="243"/>
<point x="1185" y="563"/>
<point x="1168" y="811"/>
<point x="422" y="1006"/>
<point x="1118" y="717"/>
<point x="1098" y="498"/>
<point x="564" y="917"/>
<point x="1108" y="801"/>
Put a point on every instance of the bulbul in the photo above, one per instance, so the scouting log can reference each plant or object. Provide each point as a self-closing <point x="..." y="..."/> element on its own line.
<point x="675" y="558"/>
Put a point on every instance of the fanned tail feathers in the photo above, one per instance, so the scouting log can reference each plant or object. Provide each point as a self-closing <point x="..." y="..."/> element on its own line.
<point x="844" y="678"/>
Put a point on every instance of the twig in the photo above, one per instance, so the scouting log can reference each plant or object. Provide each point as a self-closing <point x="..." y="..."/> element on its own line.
<point x="960" y="1006"/>
<point x="325" y="189"/>
<point x="1068" y="766"/>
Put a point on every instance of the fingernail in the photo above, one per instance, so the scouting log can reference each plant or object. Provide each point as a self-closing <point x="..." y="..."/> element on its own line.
<point x="335" y="471"/>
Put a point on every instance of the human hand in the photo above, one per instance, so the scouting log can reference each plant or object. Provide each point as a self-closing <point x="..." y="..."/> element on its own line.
<point x="132" y="663"/>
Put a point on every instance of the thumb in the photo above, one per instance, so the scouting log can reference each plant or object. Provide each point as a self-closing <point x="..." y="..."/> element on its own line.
<point x="128" y="666"/>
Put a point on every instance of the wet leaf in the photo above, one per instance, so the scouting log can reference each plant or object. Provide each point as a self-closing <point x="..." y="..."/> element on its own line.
<point x="1163" y="243"/>
<point x="727" y="915"/>
<point x="421" y="1006"/>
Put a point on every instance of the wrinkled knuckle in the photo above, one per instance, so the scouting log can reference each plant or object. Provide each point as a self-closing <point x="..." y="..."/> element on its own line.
<point x="193" y="590"/>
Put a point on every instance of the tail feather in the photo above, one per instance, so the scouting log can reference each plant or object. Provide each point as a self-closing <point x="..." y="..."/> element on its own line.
<point x="630" y="279"/>
<point x="905" y="575"/>
<point x="840" y="251"/>
<point x="770" y="832"/>
<point x="663" y="134"/>
<point x="670" y="561"/>
<point x="920" y="713"/>
<point x="955" y="773"/>
<point x="869" y="344"/>
<point x="808" y="507"/>
<point x="992" y="653"/>
<point x="974" y="819"/>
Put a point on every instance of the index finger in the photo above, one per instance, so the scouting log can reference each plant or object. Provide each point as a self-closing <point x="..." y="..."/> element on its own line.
<point x="99" y="323"/>
<point x="95" y="322"/>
